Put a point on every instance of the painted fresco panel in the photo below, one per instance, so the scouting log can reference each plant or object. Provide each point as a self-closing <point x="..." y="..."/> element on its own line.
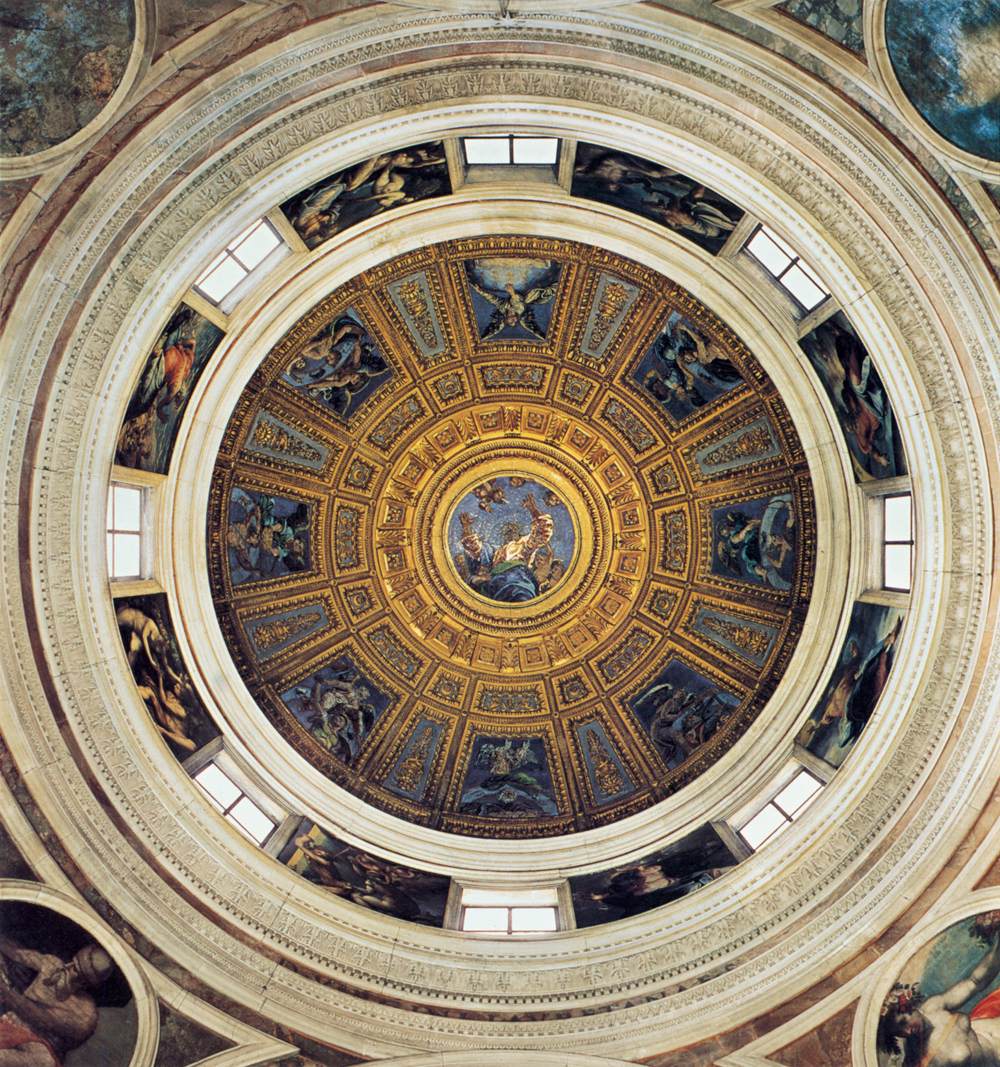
<point x="945" y="55"/>
<point x="857" y="682"/>
<point x="684" y="369"/>
<point x="340" y="366"/>
<point x="508" y="778"/>
<point x="364" y="879"/>
<point x="512" y="299"/>
<point x="663" y="876"/>
<point x="680" y="710"/>
<point x="146" y="439"/>
<point x="338" y="704"/>
<point x="944" y="1007"/>
<point x="756" y="541"/>
<point x="62" y="61"/>
<point x="86" y="1016"/>
<point x="848" y="373"/>
<point x="656" y="192"/>
<point x="162" y="679"/>
<point x="369" y="188"/>
<point x="266" y="536"/>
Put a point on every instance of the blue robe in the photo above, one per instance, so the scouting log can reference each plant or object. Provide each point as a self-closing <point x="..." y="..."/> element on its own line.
<point x="510" y="582"/>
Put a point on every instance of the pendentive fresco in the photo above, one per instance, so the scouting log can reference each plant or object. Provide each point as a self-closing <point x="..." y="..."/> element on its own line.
<point x="63" y="1000"/>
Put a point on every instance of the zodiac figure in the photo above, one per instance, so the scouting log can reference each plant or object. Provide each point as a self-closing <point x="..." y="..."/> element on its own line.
<point x="511" y="786"/>
<point x="338" y="709"/>
<point x="505" y="572"/>
<point x="693" y="369"/>
<point x="684" y="719"/>
<point x="261" y="543"/>
<point x="337" y="364"/>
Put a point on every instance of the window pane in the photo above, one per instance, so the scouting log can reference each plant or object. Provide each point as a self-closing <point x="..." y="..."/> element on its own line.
<point x="486" y="150"/>
<point x="537" y="150"/>
<point x="111" y="513"/>
<point x="477" y="896"/>
<point x="762" y="825"/>
<point x="897" y="518"/>
<point x="485" y="919"/>
<point x="897" y="566"/>
<point x="220" y="282"/>
<point x="251" y="819"/>
<point x="797" y="794"/>
<point x="798" y="283"/>
<point x="128" y="508"/>
<point x="217" y="785"/>
<point x="530" y="920"/>
<point x="257" y="246"/>
<point x="780" y="242"/>
<point x="126" y="556"/>
<point x="768" y="252"/>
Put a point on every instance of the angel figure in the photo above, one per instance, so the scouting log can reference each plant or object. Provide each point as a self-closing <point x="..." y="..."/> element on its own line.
<point x="488" y="494"/>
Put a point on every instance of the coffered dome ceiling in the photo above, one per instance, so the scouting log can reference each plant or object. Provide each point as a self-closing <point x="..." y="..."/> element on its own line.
<point x="511" y="536"/>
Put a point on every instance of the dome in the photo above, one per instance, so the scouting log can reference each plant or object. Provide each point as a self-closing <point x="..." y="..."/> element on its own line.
<point x="511" y="536"/>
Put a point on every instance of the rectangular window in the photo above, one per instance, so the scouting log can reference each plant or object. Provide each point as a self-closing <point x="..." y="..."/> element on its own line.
<point x="234" y="804"/>
<point x="237" y="260"/>
<point x="897" y="542"/>
<point x="786" y="267"/>
<point x="125" y="554"/>
<point x="507" y="150"/>
<point x="507" y="912"/>
<point x="782" y="810"/>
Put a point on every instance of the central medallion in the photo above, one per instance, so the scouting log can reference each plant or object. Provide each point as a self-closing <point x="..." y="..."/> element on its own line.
<point x="512" y="538"/>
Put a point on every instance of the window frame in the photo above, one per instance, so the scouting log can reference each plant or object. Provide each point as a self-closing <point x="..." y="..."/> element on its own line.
<point x="794" y="260"/>
<point x="112" y="532"/>
<point x="469" y="896"/>
<point x="886" y="542"/>
<point x="510" y="909"/>
<point x="231" y="252"/>
<point x="510" y="138"/>
<point x="226" y="811"/>
<point x="788" y="817"/>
